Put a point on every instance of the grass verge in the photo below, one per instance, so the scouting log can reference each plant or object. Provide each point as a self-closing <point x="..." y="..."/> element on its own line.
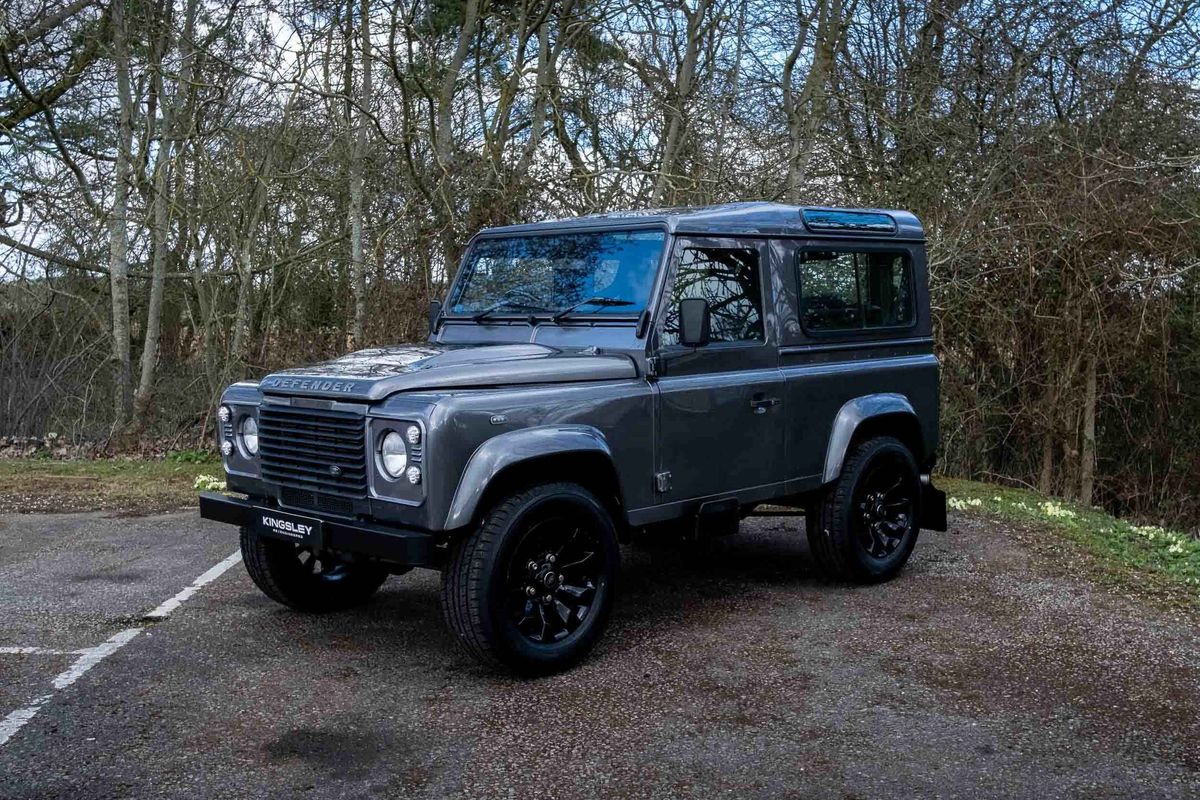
<point x="1146" y="559"/>
<point x="130" y="486"/>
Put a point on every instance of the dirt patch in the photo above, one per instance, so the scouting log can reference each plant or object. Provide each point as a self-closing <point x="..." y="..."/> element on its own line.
<point x="122" y="487"/>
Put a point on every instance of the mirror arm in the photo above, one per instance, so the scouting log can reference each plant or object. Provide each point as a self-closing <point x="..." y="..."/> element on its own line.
<point x="435" y="316"/>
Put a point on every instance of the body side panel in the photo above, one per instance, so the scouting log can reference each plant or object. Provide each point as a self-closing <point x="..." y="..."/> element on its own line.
<point x="719" y="408"/>
<point x="827" y="372"/>
<point x="511" y="448"/>
<point x="829" y="399"/>
<point x="500" y="427"/>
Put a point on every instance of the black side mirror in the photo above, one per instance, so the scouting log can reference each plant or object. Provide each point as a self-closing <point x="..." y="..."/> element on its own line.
<point x="695" y="322"/>
<point x="435" y="315"/>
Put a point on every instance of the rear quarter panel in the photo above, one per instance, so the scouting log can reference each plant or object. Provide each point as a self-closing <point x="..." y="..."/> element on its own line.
<point x="824" y="372"/>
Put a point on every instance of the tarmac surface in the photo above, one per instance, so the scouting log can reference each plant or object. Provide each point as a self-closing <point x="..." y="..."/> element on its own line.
<point x="990" y="668"/>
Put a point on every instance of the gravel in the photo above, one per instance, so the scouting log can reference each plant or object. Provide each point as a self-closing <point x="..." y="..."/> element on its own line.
<point x="989" y="668"/>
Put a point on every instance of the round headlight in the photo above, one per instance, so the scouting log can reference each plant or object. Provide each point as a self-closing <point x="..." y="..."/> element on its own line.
<point x="249" y="434"/>
<point x="393" y="454"/>
<point x="413" y="434"/>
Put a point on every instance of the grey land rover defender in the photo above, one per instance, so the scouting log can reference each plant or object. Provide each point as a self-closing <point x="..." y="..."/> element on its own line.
<point x="591" y="379"/>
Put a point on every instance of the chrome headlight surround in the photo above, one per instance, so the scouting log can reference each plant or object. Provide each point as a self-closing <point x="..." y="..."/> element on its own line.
<point x="391" y="456"/>
<point x="247" y="436"/>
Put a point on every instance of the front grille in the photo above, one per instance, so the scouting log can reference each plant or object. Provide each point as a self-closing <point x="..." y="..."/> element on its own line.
<point x="317" y="501"/>
<point x="304" y="447"/>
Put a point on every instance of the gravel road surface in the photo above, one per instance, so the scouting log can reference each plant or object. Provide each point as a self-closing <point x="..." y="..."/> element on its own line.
<point x="988" y="669"/>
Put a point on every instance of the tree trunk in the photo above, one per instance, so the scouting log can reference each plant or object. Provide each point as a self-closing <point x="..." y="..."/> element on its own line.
<point x="830" y="31"/>
<point x="806" y="111"/>
<point x="118" y="236"/>
<point x="358" y="154"/>
<point x="1087" y="462"/>
<point x="161" y="201"/>
<point x="1046" y="476"/>
<point x="677" y="116"/>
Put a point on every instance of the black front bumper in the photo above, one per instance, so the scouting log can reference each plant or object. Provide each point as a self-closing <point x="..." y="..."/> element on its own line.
<point x="408" y="548"/>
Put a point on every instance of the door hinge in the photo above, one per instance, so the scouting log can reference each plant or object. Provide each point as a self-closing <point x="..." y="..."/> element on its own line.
<point x="652" y="367"/>
<point x="662" y="482"/>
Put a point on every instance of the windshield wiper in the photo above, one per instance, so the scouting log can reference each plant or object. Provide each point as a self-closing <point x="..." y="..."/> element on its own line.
<point x="506" y="302"/>
<point x="602" y="302"/>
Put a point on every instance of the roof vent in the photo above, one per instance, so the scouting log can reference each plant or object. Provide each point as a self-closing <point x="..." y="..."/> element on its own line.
<point x="831" y="219"/>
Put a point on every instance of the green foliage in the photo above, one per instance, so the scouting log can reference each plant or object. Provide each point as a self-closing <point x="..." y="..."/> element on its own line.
<point x="444" y="17"/>
<point x="192" y="457"/>
<point x="1131" y="554"/>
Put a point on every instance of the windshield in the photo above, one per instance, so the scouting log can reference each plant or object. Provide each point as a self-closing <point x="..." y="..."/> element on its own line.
<point x="576" y="273"/>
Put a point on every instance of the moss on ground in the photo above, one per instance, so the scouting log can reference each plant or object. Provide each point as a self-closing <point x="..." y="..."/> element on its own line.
<point x="133" y="486"/>
<point x="1148" y="559"/>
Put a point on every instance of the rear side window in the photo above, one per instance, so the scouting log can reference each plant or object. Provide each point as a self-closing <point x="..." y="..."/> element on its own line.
<point x="728" y="278"/>
<point x="850" y="291"/>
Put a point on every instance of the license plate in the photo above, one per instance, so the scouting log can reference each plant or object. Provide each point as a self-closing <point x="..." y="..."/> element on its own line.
<point x="290" y="527"/>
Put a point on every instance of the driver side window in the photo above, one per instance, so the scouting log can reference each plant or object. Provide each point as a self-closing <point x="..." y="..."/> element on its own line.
<point x="730" y="280"/>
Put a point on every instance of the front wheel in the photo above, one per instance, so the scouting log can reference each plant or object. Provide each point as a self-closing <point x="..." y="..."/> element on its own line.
<point x="530" y="588"/>
<point x="305" y="580"/>
<point x="864" y="526"/>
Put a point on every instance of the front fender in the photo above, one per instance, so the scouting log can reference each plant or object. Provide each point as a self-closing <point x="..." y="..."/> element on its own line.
<point x="852" y="414"/>
<point x="500" y="452"/>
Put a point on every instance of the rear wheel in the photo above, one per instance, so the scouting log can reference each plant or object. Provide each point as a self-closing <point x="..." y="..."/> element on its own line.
<point x="864" y="526"/>
<point x="531" y="587"/>
<point x="306" y="580"/>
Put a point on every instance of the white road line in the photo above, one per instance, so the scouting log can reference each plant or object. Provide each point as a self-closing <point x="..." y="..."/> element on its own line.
<point x="165" y="609"/>
<point x="37" y="651"/>
<point x="92" y="656"/>
<point x="17" y="719"/>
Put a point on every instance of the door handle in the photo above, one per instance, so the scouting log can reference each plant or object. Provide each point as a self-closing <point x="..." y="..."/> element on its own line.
<point x="760" y="404"/>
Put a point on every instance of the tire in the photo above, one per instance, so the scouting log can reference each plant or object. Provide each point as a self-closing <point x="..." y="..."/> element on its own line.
<point x="863" y="526"/>
<point x="297" y="578"/>
<point x="552" y="540"/>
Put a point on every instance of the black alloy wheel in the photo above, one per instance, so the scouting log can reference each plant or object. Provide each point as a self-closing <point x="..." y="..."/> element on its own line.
<point x="863" y="526"/>
<point x="530" y="588"/>
<point x="886" y="506"/>
<point x="552" y="578"/>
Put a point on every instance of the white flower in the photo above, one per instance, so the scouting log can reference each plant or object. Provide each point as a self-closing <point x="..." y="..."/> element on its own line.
<point x="1053" y="509"/>
<point x="209" y="483"/>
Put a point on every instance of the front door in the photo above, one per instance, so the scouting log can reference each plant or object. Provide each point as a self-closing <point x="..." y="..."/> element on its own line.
<point x="719" y="408"/>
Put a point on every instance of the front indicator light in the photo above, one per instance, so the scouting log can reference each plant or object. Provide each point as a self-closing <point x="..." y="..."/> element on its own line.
<point x="224" y="414"/>
<point x="413" y="434"/>
<point x="226" y="447"/>
<point x="393" y="455"/>
<point x="414" y="475"/>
